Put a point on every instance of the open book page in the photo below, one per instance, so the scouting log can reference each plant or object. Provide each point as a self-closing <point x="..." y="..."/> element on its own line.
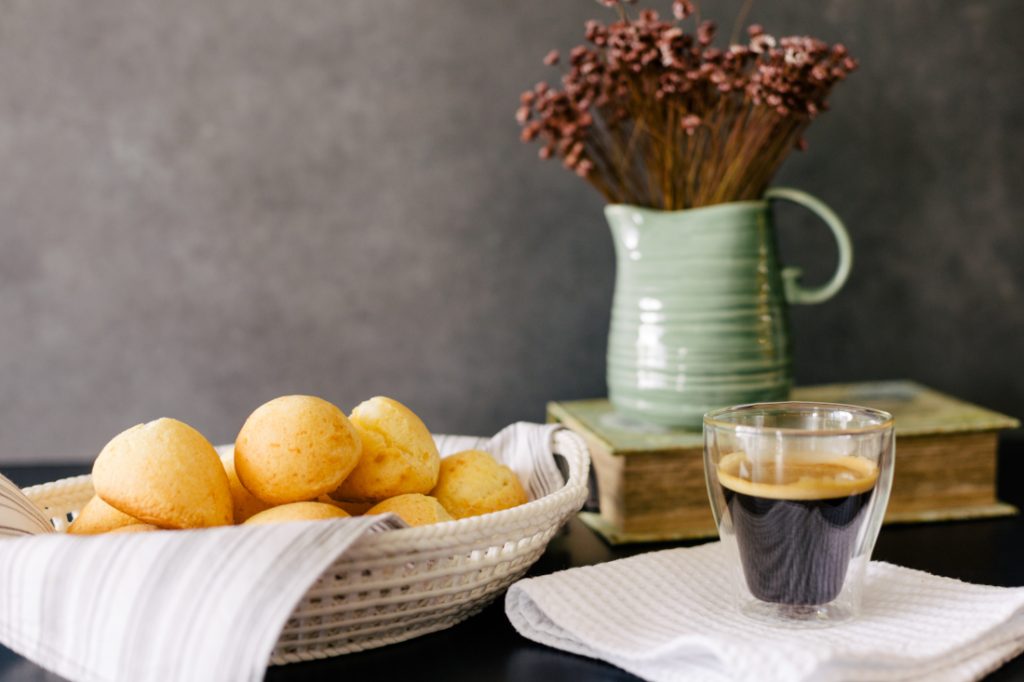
<point x="18" y="515"/>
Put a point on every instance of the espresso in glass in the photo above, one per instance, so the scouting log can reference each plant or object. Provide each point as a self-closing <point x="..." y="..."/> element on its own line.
<point x="796" y="521"/>
<point x="798" y="491"/>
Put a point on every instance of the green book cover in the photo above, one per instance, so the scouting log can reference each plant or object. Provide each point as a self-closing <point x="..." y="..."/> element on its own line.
<point x="918" y="410"/>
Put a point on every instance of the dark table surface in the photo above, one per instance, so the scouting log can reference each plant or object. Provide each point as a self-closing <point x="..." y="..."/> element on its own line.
<point x="486" y="647"/>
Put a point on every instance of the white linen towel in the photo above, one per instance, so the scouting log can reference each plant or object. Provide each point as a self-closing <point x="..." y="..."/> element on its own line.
<point x="187" y="605"/>
<point x="660" y="616"/>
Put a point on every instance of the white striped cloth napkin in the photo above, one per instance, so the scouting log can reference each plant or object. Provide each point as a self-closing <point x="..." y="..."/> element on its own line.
<point x="659" y="616"/>
<point x="18" y="516"/>
<point x="187" y="605"/>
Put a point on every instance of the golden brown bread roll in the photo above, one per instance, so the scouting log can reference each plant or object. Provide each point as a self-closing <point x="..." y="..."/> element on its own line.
<point x="415" y="509"/>
<point x="298" y="511"/>
<point x="473" y="482"/>
<point x="295" y="448"/>
<point x="243" y="503"/>
<point x="136" y="528"/>
<point x="99" y="517"/>
<point x="164" y="473"/>
<point x="399" y="454"/>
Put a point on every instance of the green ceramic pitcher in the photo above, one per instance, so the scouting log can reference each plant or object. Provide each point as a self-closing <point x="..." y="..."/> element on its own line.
<point x="699" y="315"/>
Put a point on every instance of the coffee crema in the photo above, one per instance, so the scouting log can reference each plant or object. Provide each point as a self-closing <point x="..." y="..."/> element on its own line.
<point x="796" y="522"/>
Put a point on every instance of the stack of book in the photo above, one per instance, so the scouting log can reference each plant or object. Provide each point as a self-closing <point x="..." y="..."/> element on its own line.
<point x="648" y="481"/>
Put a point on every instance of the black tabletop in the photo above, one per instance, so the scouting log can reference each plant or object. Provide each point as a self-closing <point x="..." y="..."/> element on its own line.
<point x="486" y="647"/>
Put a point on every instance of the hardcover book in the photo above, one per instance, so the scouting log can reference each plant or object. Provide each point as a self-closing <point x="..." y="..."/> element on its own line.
<point x="648" y="481"/>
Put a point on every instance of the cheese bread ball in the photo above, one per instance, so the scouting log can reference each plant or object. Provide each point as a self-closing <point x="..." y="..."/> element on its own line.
<point x="164" y="473"/>
<point x="136" y="528"/>
<point x="298" y="511"/>
<point x="99" y="517"/>
<point x="399" y="454"/>
<point x="243" y="503"/>
<point x="473" y="483"/>
<point x="415" y="509"/>
<point x="295" y="448"/>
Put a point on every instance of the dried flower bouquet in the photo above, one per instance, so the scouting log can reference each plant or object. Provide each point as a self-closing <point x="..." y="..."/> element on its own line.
<point x="653" y="115"/>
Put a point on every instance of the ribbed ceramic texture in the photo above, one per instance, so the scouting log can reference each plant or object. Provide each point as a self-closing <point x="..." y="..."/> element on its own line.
<point x="699" y="315"/>
<point x="390" y="587"/>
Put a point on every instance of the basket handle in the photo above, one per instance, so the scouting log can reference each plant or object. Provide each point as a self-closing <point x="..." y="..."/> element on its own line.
<point x="574" y="449"/>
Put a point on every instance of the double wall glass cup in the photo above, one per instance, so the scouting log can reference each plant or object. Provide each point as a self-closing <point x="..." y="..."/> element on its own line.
<point x="798" y="491"/>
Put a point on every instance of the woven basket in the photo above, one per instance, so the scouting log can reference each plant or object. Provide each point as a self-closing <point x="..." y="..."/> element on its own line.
<point x="393" y="586"/>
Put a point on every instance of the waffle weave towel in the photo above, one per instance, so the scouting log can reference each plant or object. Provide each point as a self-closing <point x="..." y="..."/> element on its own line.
<point x="660" y="616"/>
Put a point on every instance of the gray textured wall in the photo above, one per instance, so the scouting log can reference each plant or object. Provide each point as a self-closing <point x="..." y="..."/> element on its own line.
<point x="207" y="204"/>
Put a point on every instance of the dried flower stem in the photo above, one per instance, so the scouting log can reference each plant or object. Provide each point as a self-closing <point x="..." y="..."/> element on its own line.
<point x="652" y="115"/>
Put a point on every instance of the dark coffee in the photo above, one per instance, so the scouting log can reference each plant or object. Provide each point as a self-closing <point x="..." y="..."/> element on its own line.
<point x="796" y="523"/>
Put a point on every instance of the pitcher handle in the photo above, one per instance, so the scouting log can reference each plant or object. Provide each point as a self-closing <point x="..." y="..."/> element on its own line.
<point x="795" y="293"/>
